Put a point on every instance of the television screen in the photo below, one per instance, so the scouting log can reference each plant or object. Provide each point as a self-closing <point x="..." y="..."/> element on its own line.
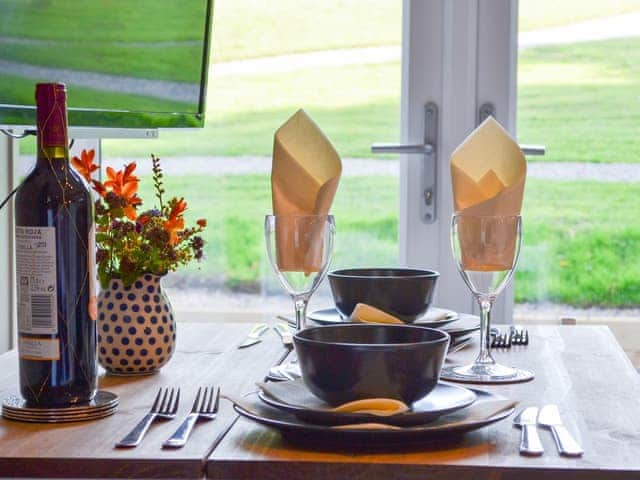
<point x="126" y="63"/>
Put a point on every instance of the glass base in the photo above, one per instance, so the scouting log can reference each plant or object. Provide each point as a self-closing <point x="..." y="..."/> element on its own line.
<point x="485" y="373"/>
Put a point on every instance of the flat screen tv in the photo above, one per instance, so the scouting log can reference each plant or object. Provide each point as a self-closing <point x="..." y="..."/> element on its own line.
<point x="126" y="63"/>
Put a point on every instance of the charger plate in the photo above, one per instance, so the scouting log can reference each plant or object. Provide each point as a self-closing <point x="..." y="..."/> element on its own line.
<point x="447" y="426"/>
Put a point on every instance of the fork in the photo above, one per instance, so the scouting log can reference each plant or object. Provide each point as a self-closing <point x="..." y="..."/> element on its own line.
<point x="501" y="340"/>
<point x="205" y="409"/>
<point x="163" y="409"/>
<point x="520" y="336"/>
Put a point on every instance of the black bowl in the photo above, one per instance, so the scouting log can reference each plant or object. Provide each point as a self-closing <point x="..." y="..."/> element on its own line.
<point x="405" y="293"/>
<point x="341" y="363"/>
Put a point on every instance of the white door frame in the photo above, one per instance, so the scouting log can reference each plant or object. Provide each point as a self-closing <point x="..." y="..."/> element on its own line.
<point x="458" y="54"/>
<point x="8" y="156"/>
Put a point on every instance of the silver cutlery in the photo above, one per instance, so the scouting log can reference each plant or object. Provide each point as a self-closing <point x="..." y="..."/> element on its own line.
<point x="459" y="346"/>
<point x="530" y="443"/>
<point x="549" y="417"/>
<point x="164" y="407"/>
<point x="254" y="335"/>
<point x="501" y="340"/>
<point x="205" y="408"/>
<point x="285" y="334"/>
<point x="289" y="320"/>
<point x="519" y="336"/>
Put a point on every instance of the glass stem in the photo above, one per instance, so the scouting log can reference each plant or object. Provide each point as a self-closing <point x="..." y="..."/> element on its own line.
<point x="301" y="312"/>
<point x="484" y="357"/>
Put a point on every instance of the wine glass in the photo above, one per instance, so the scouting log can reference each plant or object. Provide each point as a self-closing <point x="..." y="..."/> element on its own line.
<point x="486" y="250"/>
<point x="299" y="249"/>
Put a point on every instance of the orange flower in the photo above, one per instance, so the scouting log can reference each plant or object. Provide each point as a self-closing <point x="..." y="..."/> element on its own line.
<point x="124" y="184"/>
<point x="130" y="212"/>
<point x="84" y="165"/>
<point x="177" y="208"/>
<point x="99" y="188"/>
<point x="172" y="227"/>
<point x="175" y="223"/>
<point x="202" y="222"/>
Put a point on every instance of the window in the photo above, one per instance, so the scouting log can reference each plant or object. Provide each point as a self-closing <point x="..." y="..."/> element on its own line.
<point x="339" y="60"/>
<point x="578" y="94"/>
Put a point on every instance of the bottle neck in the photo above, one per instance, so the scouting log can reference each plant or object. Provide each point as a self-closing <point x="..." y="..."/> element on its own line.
<point x="53" y="142"/>
<point x="53" y="156"/>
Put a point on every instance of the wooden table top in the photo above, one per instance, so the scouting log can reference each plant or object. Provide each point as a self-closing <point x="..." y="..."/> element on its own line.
<point x="206" y="354"/>
<point x="582" y="369"/>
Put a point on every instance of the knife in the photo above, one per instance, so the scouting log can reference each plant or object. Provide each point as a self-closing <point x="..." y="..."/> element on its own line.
<point x="550" y="417"/>
<point x="529" y="440"/>
<point x="285" y="334"/>
<point x="254" y="335"/>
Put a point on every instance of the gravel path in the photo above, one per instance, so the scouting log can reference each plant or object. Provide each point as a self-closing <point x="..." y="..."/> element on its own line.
<point x="176" y="91"/>
<point x="353" y="167"/>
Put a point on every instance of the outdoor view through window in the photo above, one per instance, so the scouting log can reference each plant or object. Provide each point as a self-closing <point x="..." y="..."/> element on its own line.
<point x="342" y="64"/>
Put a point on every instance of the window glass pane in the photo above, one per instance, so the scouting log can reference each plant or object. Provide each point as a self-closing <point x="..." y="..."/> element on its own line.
<point x="578" y="83"/>
<point x="346" y="75"/>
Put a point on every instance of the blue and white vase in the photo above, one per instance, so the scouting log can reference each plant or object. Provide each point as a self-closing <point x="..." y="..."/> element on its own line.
<point x="136" y="327"/>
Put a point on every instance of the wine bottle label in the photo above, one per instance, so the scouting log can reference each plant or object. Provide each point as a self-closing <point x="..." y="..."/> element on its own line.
<point x="36" y="277"/>
<point x="39" y="348"/>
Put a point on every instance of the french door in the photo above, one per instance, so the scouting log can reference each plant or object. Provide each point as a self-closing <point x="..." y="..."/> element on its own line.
<point x="458" y="56"/>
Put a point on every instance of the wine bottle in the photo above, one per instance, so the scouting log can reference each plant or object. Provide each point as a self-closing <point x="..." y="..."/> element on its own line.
<point x="55" y="268"/>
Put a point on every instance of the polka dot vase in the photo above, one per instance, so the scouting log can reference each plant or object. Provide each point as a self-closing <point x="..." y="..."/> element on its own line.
<point x="136" y="329"/>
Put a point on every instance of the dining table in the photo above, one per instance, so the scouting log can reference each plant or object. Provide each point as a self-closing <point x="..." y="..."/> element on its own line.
<point x="582" y="369"/>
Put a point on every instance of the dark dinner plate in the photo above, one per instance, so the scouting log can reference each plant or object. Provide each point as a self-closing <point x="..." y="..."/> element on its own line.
<point x="297" y="430"/>
<point x="443" y="399"/>
<point x="330" y="316"/>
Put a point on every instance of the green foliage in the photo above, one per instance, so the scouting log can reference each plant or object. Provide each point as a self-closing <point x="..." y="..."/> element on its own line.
<point x="130" y="244"/>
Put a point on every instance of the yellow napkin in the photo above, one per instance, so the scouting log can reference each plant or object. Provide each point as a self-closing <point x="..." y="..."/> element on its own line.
<point x="295" y="393"/>
<point x="488" y="173"/>
<point x="364" y="313"/>
<point x="305" y="174"/>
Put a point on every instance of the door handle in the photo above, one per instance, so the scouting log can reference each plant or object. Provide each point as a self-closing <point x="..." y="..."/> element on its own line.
<point x="398" y="148"/>
<point x="429" y="166"/>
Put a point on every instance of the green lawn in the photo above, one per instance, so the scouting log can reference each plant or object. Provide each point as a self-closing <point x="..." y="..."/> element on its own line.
<point x="292" y="26"/>
<point x="582" y="101"/>
<point x="577" y="249"/>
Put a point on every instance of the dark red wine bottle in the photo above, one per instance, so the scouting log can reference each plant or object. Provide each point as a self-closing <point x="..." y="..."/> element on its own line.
<point x="55" y="268"/>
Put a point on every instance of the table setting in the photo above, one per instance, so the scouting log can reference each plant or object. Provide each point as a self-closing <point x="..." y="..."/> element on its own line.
<point x="370" y="367"/>
<point x="379" y="377"/>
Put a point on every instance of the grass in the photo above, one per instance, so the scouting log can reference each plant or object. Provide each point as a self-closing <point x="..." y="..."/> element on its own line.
<point x="582" y="101"/>
<point x="581" y="244"/>
<point x="536" y="14"/>
<point x="577" y="249"/>
<point x="89" y="36"/>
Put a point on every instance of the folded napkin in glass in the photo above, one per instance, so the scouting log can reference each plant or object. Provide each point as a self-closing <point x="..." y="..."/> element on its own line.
<point x="295" y="397"/>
